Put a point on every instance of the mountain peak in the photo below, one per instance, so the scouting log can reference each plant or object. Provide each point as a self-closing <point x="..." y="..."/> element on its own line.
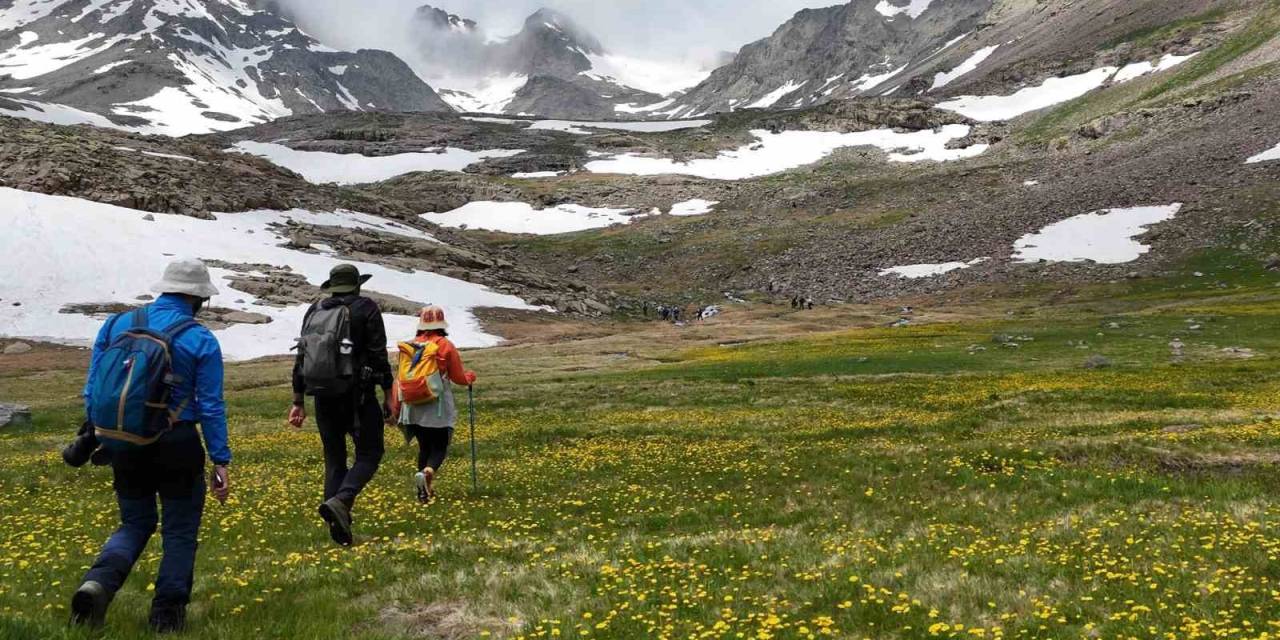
<point x="443" y="20"/>
<point x="561" y="29"/>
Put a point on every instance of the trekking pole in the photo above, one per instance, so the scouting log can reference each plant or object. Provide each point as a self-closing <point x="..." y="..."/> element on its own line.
<point x="471" y="403"/>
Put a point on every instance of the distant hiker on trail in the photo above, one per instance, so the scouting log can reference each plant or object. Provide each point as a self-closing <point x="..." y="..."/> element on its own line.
<point x="342" y="357"/>
<point x="154" y="374"/>
<point x="422" y="399"/>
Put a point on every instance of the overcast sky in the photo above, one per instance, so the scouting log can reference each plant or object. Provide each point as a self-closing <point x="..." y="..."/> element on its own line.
<point x="652" y="28"/>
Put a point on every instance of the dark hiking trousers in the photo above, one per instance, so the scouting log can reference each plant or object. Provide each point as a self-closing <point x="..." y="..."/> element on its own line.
<point x="173" y="470"/>
<point x="357" y="415"/>
<point x="433" y="445"/>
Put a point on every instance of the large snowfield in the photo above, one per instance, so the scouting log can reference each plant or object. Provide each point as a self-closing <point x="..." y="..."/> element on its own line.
<point x="520" y="217"/>
<point x="778" y="152"/>
<point x="1105" y="237"/>
<point x="322" y="167"/>
<point x="62" y="251"/>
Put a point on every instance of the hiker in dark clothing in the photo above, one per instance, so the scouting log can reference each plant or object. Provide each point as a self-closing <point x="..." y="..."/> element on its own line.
<point x="168" y="468"/>
<point x="348" y="406"/>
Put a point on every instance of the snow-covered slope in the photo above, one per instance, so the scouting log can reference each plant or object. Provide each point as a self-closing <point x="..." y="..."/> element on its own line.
<point x="552" y="67"/>
<point x="185" y="66"/>
<point x="93" y="253"/>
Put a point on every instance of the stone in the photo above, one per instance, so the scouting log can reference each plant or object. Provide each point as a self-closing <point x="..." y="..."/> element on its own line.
<point x="1097" y="362"/>
<point x="17" y="348"/>
<point x="149" y="218"/>
<point x="14" y="415"/>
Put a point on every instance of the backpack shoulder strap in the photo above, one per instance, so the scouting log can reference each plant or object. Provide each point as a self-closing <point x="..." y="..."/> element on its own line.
<point x="139" y="316"/>
<point x="111" y="324"/>
<point x="177" y="329"/>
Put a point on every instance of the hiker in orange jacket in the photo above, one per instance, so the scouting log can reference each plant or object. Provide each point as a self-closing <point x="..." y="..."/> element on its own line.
<point x="432" y="424"/>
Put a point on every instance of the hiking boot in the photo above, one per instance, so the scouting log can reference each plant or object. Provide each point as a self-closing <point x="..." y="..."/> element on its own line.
<point x="338" y="517"/>
<point x="89" y="605"/>
<point x="168" y="619"/>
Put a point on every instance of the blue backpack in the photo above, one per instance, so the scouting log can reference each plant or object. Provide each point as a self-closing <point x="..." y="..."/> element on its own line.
<point x="132" y="385"/>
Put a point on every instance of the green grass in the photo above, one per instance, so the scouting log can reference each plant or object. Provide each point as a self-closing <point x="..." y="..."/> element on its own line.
<point x="927" y="481"/>
<point x="1159" y="33"/>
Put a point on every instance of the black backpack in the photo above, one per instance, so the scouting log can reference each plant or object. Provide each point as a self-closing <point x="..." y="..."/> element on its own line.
<point x="328" y="354"/>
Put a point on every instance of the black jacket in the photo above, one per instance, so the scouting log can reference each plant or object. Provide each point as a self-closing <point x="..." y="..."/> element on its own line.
<point x="367" y="332"/>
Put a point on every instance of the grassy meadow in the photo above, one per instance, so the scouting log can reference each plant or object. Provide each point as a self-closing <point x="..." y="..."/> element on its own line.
<point x="767" y="475"/>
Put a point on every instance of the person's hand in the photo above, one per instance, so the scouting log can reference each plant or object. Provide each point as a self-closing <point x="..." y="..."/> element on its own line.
<point x="386" y="411"/>
<point x="297" y="416"/>
<point x="471" y="378"/>
<point x="221" y="481"/>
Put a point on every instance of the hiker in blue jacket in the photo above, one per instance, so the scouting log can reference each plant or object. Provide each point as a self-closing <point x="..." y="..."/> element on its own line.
<point x="172" y="468"/>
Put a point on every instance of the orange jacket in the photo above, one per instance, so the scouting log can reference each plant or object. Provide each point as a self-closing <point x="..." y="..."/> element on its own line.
<point x="450" y="360"/>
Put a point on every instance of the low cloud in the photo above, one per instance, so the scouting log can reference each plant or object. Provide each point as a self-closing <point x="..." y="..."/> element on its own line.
<point x="658" y="29"/>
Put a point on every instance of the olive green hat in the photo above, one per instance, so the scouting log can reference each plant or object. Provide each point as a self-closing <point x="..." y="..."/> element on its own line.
<point x="344" y="278"/>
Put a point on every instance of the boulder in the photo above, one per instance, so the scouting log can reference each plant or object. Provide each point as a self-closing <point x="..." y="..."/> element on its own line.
<point x="15" y="415"/>
<point x="17" y="348"/>
<point x="1097" y="362"/>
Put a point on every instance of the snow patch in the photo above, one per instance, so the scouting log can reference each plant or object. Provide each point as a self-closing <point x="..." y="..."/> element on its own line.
<point x="570" y="126"/>
<point x="154" y="154"/>
<point x="532" y="175"/>
<point x="870" y="81"/>
<point x="778" y="152"/>
<point x="1050" y="92"/>
<point x="656" y="107"/>
<point x="24" y="63"/>
<point x="340" y="70"/>
<point x="971" y="63"/>
<point x="914" y="9"/>
<point x="775" y="95"/>
<point x="695" y="207"/>
<point x="1105" y="237"/>
<point x="55" y="114"/>
<point x="107" y="67"/>
<point x="322" y="167"/>
<point x="520" y="217"/>
<point x="97" y="253"/>
<point x="1139" y="69"/>
<point x="1270" y="155"/>
<point x="480" y="95"/>
<point x="917" y="271"/>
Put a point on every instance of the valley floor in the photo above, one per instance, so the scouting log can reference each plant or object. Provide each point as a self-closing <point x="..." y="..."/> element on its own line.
<point x="768" y="474"/>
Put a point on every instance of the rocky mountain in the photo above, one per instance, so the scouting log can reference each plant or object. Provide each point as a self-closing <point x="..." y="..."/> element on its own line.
<point x="940" y="48"/>
<point x="552" y="67"/>
<point x="859" y="48"/>
<point x="184" y="66"/>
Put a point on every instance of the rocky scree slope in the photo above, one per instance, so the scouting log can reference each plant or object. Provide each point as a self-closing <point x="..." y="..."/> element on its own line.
<point x="186" y="66"/>
<point x="946" y="48"/>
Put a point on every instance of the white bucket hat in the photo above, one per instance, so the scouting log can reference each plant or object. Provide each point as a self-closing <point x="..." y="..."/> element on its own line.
<point x="186" y="276"/>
